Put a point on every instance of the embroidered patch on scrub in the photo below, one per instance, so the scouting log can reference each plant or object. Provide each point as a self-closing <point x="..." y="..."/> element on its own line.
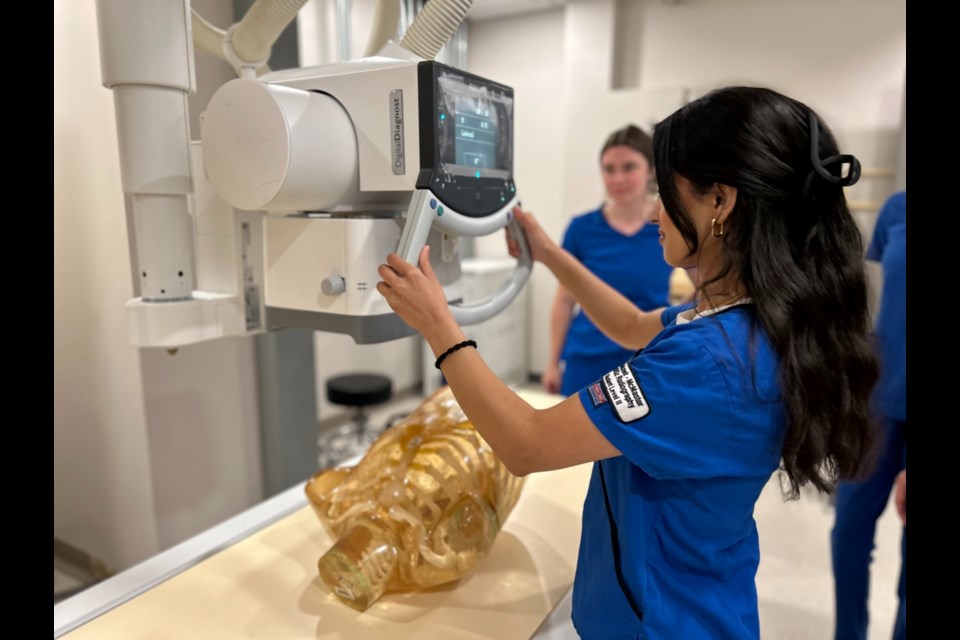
<point x="596" y="394"/>
<point x="626" y="398"/>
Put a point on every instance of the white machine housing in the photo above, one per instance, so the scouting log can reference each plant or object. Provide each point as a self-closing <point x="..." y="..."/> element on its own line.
<point x="336" y="154"/>
<point x="322" y="273"/>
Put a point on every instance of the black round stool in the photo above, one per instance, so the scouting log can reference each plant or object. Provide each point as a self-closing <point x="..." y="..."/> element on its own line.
<point x="359" y="391"/>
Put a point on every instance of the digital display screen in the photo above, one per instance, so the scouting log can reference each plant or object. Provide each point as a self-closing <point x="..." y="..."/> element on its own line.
<point x="475" y="140"/>
<point x="475" y="132"/>
<point x="466" y="140"/>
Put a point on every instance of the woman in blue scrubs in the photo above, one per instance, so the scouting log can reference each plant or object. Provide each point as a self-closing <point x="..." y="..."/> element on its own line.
<point x="619" y="244"/>
<point x="771" y="367"/>
<point x="860" y="504"/>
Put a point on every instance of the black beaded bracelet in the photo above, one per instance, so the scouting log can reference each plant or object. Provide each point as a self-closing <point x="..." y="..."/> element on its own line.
<point x="459" y="345"/>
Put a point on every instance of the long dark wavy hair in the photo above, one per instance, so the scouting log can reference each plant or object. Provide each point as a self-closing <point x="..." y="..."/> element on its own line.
<point x="792" y="243"/>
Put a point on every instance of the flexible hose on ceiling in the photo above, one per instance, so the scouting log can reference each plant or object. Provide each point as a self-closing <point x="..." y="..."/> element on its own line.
<point x="207" y="37"/>
<point x="433" y="26"/>
<point x="262" y="25"/>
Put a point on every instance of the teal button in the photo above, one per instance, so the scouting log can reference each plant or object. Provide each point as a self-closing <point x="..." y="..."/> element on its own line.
<point x="478" y="174"/>
<point x="443" y="116"/>
<point x="440" y="210"/>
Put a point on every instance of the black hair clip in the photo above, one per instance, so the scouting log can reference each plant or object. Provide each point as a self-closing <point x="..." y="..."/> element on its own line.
<point x="820" y="166"/>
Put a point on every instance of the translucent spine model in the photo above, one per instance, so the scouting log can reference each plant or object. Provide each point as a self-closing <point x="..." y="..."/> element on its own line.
<point x="421" y="509"/>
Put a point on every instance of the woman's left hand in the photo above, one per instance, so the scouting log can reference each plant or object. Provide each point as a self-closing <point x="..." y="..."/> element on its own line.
<point x="415" y="294"/>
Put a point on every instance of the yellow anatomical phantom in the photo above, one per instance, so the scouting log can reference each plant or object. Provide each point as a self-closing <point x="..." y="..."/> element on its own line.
<point x="421" y="509"/>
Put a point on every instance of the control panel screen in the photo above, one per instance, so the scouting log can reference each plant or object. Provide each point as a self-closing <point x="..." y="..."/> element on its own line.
<point x="474" y="122"/>
<point x="475" y="139"/>
<point x="466" y="140"/>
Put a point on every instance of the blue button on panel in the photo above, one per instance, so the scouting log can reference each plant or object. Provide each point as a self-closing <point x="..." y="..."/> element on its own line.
<point x="433" y="203"/>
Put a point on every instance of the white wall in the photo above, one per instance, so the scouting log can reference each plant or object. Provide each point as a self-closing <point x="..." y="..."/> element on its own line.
<point x="102" y="488"/>
<point x="844" y="59"/>
<point x="148" y="448"/>
<point x="203" y="428"/>
<point x="526" y="53"/>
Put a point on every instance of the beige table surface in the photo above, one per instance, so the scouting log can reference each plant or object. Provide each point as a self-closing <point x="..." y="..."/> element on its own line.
<point x="267" y="586"/>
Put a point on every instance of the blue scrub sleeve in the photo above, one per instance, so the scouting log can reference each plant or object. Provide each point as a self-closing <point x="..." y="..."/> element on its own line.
<point x="570" y="239"/>
<point x="893" y="211"/>
<point x="668" y="315"/>
<point x="668" y="410"/>
<point x="879" y="241"/>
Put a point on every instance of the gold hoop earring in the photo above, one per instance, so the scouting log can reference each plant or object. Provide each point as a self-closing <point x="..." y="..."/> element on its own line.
<point x="716" y="228"/>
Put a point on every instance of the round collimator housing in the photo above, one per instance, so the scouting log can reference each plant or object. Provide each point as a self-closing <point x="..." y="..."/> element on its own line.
<point x="277" y="149"/>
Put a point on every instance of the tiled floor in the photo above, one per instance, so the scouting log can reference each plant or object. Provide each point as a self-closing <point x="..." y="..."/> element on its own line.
<point x="795" y="580"/>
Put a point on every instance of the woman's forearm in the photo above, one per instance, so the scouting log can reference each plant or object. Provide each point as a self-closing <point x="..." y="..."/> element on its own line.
<point x="525" y="439"/>
<point x="561" y="315"/>
<point x="502" y="417"/>
<point x="613" y="313"/>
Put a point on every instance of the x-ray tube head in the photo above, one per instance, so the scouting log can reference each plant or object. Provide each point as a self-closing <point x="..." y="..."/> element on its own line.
<point x="278" y="149"/>
<point x="356" y="160"/>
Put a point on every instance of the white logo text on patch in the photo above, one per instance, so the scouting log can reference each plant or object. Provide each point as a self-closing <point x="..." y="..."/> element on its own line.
<point x="626" y="398"/>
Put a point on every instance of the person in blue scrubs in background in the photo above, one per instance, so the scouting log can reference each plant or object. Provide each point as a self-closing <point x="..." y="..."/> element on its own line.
<point x="618" y="245"/>
<point x="860" y="504"/>
<point x="770" y="367"/>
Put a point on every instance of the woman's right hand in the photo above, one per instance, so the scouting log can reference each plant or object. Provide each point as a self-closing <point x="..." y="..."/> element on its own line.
<point x="538" y="241"/>
<point x="414" y="293"/>
<point x="551" y="379"/>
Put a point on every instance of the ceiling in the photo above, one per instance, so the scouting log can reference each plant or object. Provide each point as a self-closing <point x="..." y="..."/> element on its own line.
<point x="487" y="9"/>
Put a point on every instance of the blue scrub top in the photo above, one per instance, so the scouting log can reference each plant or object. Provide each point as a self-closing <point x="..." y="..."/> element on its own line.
<point x="889" y="247"/>
<point x="633" y="265"/>
<point x="700" y="421"/>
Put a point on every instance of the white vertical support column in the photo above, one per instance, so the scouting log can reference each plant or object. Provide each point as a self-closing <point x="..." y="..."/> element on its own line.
<point x="103" y="501"/>
<point x="147" y="59"/>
